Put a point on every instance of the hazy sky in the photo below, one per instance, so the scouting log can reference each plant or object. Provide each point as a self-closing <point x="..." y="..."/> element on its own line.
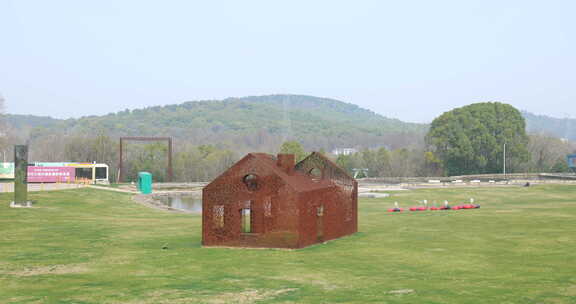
<point x="411" y="60"/>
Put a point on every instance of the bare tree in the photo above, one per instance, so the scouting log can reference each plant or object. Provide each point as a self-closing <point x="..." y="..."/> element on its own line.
<point x="546" y="151"/>
<point x="5" y="138"/>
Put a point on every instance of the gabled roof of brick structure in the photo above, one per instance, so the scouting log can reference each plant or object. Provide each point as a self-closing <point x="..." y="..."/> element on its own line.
<point x="327" y="163"/>
<point x="298" y="181"/>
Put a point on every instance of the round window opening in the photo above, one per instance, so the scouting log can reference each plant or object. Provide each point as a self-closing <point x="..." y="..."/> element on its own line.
<point x="251" y="182"/>
<point x="315" y="173"/>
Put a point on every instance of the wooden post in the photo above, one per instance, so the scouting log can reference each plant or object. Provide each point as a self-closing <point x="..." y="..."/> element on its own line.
<point x="170" y="159"/>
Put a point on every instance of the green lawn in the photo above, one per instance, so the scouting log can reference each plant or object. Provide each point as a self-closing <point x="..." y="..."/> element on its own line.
<point x="96" y="246"/>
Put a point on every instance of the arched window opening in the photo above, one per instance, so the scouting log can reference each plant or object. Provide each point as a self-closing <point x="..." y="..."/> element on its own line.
<point x="315" y="173"/>
<point x="251" y="182"/>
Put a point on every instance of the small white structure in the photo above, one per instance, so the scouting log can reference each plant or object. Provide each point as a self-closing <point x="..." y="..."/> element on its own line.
<point x="344" y="151"/>
<point x="357" y="171"/>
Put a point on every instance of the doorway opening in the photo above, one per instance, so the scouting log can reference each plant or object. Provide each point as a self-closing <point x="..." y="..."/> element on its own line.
<point x="247" y="218"/>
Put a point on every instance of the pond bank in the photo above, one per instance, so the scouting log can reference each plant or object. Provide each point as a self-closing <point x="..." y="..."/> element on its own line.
<point x="176" y="201"/>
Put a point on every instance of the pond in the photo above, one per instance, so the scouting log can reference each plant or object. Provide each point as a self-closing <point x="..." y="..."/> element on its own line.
<point x="183" y="202"/>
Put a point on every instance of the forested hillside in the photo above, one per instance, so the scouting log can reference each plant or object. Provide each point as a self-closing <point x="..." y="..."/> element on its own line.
<point x="557" y="127"/>
<point x="252" y="122"/>
<point x="30" y="121"/>
<point x="23" y="125"/>
<point x="249" y="123"/>
<point x="211" y="135"/>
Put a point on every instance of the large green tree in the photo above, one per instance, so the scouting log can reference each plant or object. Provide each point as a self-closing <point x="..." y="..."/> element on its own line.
<point x="293" y="147"/>
<point x="471" y="139"/>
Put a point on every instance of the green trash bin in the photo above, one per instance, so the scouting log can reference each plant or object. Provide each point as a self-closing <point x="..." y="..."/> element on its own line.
<point x="145" y="182"/>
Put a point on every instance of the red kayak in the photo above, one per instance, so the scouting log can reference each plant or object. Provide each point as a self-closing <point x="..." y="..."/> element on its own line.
<point x="468" y="206"/>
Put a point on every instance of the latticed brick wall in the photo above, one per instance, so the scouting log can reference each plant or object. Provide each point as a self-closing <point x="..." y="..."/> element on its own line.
<point x="264" y="201"/>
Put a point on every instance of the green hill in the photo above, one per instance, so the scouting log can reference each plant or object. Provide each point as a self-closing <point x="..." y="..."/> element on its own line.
<point x="261" y="123"/>
<point x="251" y="122"/>
<point x="30" y="121"/>
<point x="556" y="127"/>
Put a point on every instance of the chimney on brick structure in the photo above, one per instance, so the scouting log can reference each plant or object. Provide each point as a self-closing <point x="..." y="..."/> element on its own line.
<point x="286" y="163"/>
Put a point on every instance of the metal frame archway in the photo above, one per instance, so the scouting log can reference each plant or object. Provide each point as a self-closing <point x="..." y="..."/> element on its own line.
<point x="168" y="139"/>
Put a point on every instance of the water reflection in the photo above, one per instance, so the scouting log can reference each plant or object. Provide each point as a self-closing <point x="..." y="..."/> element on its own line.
<point x="188" y="203"/>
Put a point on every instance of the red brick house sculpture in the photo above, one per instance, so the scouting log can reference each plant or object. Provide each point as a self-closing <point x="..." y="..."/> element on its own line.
<point x="269" y="202"/>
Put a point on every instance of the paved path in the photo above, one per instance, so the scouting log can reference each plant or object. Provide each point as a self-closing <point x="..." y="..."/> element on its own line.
<point x="112" y="189"/>
<point x="197" y="192"/>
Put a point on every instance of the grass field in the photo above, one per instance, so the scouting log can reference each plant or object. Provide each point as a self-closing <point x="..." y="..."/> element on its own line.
<point x="96" y="246"/>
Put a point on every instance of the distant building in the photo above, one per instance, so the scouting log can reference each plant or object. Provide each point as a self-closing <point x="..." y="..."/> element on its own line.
<point x="344" y="151"/>
<point x="267" y="201"/>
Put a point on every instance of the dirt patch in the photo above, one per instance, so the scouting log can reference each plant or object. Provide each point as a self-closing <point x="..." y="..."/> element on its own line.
<point x="28" y="299"/>
<point x="310" y="280"/>
<point x="161" y="297"/>
<point x="401" y="291"/>
<point x="53" y="269"/>
<point x="437" y="249"/>
<point x="247" y="296"/>
<point x="178" y="297"/>
<point x="570" y="291"/>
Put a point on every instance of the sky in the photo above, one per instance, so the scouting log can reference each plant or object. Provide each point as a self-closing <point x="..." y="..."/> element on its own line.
<point x="411" y="60"/>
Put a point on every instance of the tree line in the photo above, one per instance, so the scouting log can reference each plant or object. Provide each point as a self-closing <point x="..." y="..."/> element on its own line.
<point x="194" y="163"/>
<point x="467" y="140"/>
